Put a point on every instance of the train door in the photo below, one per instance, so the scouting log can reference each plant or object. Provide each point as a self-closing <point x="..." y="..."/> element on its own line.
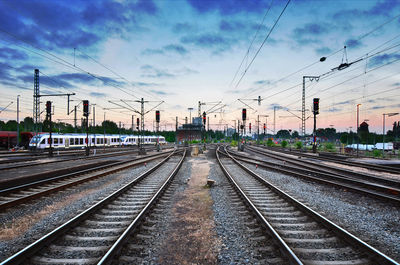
<point x="66" y="142"/>
<point x="108" y="141"/>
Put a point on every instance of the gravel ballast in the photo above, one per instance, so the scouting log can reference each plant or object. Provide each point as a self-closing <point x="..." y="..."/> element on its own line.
<point x="88" y="194"/>
<point x="371" y="220"/>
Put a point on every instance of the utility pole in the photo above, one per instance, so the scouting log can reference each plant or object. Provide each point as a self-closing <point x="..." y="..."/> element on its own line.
<point x="75" y="118"/>
<point x="303" y="102"/>
<point x="94" y="115"/>
<point x="36" y="102"/>
<point x="18" y="120"/>
<point x="104" y="132"/>
<point x="358" y="127"/>
<point x="48" y="117"/>
<point x="274" y="119"/>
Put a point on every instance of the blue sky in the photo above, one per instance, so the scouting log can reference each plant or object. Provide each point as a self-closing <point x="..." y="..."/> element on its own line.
<point x="185" y="51"/>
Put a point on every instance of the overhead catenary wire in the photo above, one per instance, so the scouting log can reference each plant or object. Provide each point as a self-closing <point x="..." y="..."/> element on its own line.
<point x="262" y="44"/>
<point x="251" y="43"/>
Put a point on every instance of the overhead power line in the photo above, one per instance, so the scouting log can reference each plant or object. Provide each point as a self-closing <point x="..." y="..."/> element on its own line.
<point x="262" y="44"/>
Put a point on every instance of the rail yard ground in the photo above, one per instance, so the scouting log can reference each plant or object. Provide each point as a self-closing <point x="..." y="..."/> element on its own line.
<point x="192" y="222"/>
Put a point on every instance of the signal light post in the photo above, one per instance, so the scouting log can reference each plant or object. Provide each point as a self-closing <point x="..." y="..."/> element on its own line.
<point x="243" y="127"/>
<point x="86" y="115"/>
<point x="158" y="129"/>
<point x="315" y="111"/>
<point x="48" y="116"/>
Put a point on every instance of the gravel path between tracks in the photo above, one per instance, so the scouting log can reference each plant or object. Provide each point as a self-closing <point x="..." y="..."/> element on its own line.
<point x="22" y="226"/>
<point x="371" y="220"/>
<point x="191" y="236"/>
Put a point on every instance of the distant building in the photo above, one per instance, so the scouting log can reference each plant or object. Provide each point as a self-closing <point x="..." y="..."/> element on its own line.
<point x="189" y="132"/>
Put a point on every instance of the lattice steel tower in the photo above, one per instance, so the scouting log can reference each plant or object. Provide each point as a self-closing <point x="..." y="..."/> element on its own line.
<point x="36" y="98"/>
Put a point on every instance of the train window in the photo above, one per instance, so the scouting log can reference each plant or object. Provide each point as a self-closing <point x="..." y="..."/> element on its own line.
<point x="81" y="140"/>
<point x="55" y="140"/>
<point x="43" y="141"/>
<point x="93" y="140"/>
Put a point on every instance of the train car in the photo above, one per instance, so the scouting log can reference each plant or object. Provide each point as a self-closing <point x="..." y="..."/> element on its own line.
<point x="8" y="139"/>
<point x="78" y="140"/>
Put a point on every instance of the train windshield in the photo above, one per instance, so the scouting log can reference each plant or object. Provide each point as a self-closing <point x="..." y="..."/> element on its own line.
<point x="35" y="139"/>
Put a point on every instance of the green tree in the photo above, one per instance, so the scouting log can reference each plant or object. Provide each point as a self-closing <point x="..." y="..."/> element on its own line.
<point x="284" y="134"/>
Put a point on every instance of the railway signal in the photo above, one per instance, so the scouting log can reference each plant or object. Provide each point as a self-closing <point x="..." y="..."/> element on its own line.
<point x="265" y="127"/>
<point x="86" y="108"/>
<point x="244" y="114"/>
<point x="137" y="123"/>
<point x="316" y="111"/>
<point x="250" y="128"/>
<point x="316" y="105"/>
<point x="48" y="107"/>
<point x="204" y="118"/>
<point x="157" y="116"/>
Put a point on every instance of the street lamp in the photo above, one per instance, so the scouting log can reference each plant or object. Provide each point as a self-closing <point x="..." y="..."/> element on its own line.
<point x="389" y="115"/>
<point x="358" y="140"/>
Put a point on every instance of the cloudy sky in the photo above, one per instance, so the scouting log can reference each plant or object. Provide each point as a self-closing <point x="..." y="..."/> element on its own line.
<point x="184" y="51"/>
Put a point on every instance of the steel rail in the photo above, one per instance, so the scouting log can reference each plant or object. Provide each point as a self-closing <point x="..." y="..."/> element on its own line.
<point x="101" y="155"/>
<point x="330" y="169"/>
<point x="374" y="254"/>
<point x="277" y="238"/>
<point x="107" y="169"/>
<point x="30" y="250"/>
<point x="117" y="246"/>
<point x="376" y="167"/>
<point x="378" y="191"/>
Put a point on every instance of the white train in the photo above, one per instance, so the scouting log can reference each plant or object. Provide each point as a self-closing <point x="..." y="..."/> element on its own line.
<point x="78" y="140"/>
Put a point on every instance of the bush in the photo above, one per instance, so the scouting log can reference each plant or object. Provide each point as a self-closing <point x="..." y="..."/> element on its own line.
<point x="234" y="143"/>
<point x="377" y="153"/>
<point x="299" y="145"/>
<point x="284" y="144"/>
<point x="270" y="142"/>
<point x="329" y="147"/>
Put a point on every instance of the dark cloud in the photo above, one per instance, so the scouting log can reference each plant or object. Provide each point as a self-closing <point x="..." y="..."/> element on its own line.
<point x="382" y="59"/>
<point x="144" y="84"/>
<point x="153" y="72"/>
<point x="310" y="33"/>
<point x="378" y="107"/>
<point x="229" y="7"/>
<point x="174" y="48"/>
<point x="184" y="28"/>
<point x="98" y="94"/>
<point x="68" y="24"/>
<point x="161" y="93"/>
<point x="152" y="51"/>
<point x="263" y="82"/>
<point x="230" y="26"/>
<point x="12" y="54"/>
<point x="323" y="51"/>
<point x="334" y="109"/>
<point x="211" y="41"/>
<point x="353" y="43"/>
<point x="70" y="81"/>
<point x="381" y="8"/>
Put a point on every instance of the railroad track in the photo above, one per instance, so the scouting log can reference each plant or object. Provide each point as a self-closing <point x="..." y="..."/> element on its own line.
<point x="21" y="194"/>
<point x="28" y="163"/>
<point x="375" y="167"/>
<point x="303" y="235"/>
<point x="97" y="234"/>
<point x="371" y="185"/>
